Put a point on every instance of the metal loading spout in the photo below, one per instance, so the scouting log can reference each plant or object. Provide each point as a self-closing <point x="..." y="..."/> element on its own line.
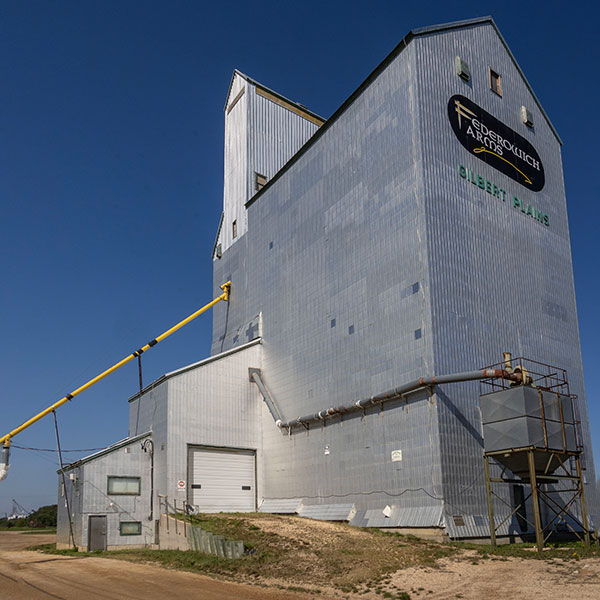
<point x="4" y="461"/>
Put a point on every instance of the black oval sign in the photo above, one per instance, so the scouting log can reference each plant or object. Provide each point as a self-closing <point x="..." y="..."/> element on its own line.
<point x="496" y="144"/>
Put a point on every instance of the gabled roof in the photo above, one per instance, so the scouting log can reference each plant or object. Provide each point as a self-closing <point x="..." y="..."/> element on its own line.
<point x="300" y="108"/>
<point x="120" y="444"/>
<point x="195" y="365"/>
<point x="413" y="33"/>
<point x="478" y="21"/>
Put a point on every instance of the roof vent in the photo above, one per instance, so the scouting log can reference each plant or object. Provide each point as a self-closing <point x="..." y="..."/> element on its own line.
<point x="462" y="69"/>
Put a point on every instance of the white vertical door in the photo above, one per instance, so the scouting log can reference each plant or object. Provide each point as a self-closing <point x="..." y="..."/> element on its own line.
<point x="222" y="480"/>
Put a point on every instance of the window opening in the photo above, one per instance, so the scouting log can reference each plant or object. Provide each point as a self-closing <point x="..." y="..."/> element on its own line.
<point x="526" y="117"/>
<point x="234" y="229"/>
<point x="130" y="528"/>
<point x="126" y="486"/>
<point x="260" y="181"/>
<point x="462" y="69"/>
<point x="495" y="82"/>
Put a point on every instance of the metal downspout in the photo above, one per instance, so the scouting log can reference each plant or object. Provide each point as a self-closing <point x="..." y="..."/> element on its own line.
<point x="254" y="375"/>
<point x="148" y="446"/>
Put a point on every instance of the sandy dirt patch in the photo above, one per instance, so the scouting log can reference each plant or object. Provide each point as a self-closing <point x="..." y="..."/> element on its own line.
<point x="501" y="579"/>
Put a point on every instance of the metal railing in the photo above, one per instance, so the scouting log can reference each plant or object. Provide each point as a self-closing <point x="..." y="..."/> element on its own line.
<point x="170" y="509"/>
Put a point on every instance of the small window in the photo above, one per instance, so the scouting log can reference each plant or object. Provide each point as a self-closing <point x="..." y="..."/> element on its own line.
<point x="479" y="521"/>
<point x="495" y="82"/>
<point x="526" y="117"/>
<point x="126" y="486"/>
<point x="234" y="229"/>
<point x="130" y="528"/>
<point x="462" y="69"/>
<point x="260" y="181"/>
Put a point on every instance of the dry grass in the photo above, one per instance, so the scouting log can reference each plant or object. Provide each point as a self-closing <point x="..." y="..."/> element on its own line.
<point x="300" y="550"/>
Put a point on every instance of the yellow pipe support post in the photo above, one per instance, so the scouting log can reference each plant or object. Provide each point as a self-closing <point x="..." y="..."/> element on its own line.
<point x="5" y="440"/>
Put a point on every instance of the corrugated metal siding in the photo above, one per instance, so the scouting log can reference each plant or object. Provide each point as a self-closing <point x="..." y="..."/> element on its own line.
<point x="478" y="526"/>
<point x="215" y="405"/>
<point x="426" y="516"/>
<point x="328" y="512"/>
<point x="235" y="190"/>
<point x="260" y="136"/>
<point x="348" y="244"/>
<point x="373" y="208"/>
<point x="275" y="135"/>
<point x="88" y="495"/>
<point x="289" y="506"/>
<point x="478" y="313"/>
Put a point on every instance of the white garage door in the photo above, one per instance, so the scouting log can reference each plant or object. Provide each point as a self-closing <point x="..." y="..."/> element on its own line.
<point x="222" y="480"/>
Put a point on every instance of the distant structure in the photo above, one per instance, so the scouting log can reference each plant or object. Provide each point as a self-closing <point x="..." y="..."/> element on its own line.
<point x="377" y="259"/>
<point x="18" y="512"/>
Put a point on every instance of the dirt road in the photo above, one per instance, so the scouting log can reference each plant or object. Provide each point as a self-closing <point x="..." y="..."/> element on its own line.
<point x="35" y="576"/>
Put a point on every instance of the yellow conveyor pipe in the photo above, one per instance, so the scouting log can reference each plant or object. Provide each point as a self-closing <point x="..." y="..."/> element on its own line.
<point x="5" y="440"/>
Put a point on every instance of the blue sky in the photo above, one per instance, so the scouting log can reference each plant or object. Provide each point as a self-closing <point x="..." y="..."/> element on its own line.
<point x="111" y="137"/>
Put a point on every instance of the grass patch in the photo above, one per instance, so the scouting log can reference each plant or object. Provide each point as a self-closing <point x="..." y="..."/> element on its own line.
<point x="563" y="550"/>
<point x="51" y="549"/>
<point x="29" y="529"/>
<point x="295" y="551"/>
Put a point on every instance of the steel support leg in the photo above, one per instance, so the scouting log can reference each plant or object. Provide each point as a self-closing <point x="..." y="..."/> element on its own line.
<point x="539" y="534"/>
<point x="490" y="501"/>
<point x="584" y="517"/>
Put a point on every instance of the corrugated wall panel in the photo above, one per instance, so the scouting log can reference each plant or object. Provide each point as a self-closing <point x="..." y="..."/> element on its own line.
<point x="284" y="507"/>
<point x="276" y="134"/>
<point x="235" y="190"/>
<point x="480" y="246"/>
<point x="260" y="137"/>
<point x="88" y="495"/>
<point x="376" y="208"/>
<point x="213" y="405"/>
<point x="336" y="259"/>
<point x="404" y="517"/>
<point x="327" y="512"/>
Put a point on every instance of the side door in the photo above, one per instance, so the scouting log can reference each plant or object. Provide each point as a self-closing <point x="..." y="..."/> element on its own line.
<point x="97" y="533"/>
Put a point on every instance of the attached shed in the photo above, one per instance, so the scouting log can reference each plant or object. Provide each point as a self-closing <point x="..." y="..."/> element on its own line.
<point x="109" y="498"/>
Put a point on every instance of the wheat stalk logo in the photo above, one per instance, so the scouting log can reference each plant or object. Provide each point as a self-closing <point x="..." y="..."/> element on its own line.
<point x="463" y="111"/>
